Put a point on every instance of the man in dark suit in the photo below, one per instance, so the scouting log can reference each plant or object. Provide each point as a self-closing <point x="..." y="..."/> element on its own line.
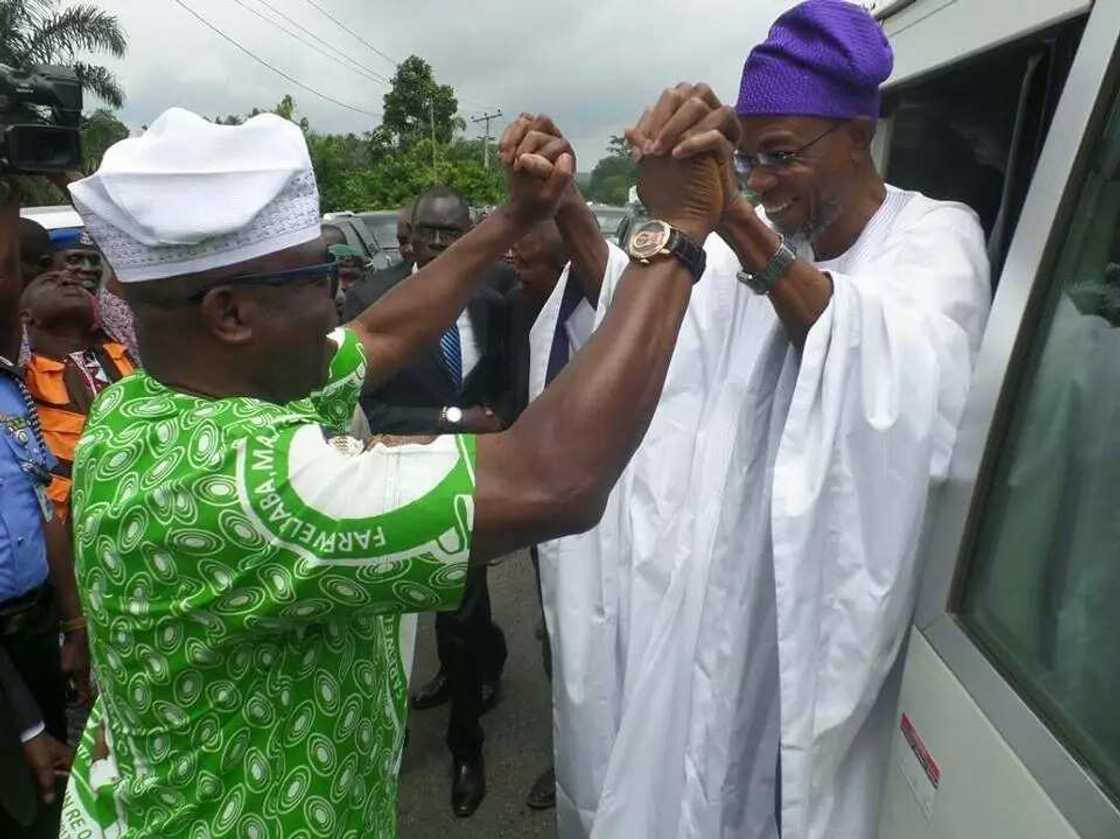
<point x="31" y="761"/>
<point x="460" y="385"/>
<point x="539" y="260"/>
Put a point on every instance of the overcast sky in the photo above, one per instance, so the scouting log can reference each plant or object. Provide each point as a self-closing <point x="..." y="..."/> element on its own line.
<point x="590" y="65"/>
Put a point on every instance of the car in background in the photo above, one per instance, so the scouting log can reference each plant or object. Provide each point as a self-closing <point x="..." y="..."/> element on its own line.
<point x="610" y="219"/>
<point x="382" y="226"/>
<point x="59" y="220"/>
<point x="359" y="235"/>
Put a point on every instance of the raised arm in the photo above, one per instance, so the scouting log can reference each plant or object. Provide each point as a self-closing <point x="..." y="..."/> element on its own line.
<point x="552" y="472"/>
<point x="411" y="316"/>
<point x="690" y="120"/>
<point x="586" y="245"/>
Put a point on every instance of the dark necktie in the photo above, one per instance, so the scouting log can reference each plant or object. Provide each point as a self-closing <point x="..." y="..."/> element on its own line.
<point x="561" y="347"/>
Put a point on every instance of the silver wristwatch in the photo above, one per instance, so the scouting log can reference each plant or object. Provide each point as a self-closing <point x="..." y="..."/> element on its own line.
<point x="775" y="269"/>
<point x="450" y="416"/>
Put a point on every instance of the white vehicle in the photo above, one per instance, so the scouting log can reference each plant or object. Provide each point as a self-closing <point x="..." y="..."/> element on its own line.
<point x="1006" y="722"/>
<point x="57" y="217"/>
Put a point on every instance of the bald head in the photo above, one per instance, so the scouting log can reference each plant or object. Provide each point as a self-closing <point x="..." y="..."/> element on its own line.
<point x="56" y="300"/>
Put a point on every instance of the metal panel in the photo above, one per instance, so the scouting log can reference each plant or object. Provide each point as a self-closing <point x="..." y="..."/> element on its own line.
<point x="1069" y="786"/>
<point x="1008" y="804"/>
<point x="883" y="9"/>
<point x="932" y="34"/>
<point x="1026" y="275"/>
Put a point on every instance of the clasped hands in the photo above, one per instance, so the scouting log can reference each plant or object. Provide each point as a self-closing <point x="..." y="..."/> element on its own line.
<point x="684" y="147"/>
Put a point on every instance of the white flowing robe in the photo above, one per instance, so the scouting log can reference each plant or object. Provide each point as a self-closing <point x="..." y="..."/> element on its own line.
<point x="753" y="577"/>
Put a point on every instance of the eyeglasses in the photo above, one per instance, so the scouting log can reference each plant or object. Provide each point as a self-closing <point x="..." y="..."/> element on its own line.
<point x="298" y="276"/>
<point x="747" y="163"/>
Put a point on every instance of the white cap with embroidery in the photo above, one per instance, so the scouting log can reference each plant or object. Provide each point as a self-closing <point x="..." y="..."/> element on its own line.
<point x="190" y="196"/>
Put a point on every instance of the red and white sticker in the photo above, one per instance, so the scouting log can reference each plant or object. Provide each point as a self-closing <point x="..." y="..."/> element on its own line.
<point x="917" y="765"/>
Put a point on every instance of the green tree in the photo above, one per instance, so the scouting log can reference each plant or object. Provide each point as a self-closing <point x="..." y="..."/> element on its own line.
<point x="354" y="172"/>
<point x="395" y="178"/>
<point x="339" y="161"/>
<point x="414" y="104"/>
<point x="613" y="176"/>
<point x="38" y="32"/>
<point x="618" y="147"/>
<point x="99" y="131"/>
<point x="286" y="108"/>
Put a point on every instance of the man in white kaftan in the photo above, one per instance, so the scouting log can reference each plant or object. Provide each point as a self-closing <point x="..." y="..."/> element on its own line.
<point x="751" y="584"/>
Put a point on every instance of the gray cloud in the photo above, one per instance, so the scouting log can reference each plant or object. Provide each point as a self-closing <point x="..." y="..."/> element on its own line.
<point x="593" y="67"/>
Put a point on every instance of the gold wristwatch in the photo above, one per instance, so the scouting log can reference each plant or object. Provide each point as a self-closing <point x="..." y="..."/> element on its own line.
<point x="654" y="238"/>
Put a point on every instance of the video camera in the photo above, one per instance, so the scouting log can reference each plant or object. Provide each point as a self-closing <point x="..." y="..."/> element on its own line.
<point x="40" y="113"/>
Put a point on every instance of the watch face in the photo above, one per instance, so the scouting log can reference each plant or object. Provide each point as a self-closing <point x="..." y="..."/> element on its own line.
<point x="455" y="415"/>
<point x="649" y="239"/>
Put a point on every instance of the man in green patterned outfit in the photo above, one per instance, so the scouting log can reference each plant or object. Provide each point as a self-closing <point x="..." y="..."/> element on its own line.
<point x="243" y="561"/>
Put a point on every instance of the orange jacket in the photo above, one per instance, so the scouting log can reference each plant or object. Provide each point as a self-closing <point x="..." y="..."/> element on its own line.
<point x="63" y="396"/>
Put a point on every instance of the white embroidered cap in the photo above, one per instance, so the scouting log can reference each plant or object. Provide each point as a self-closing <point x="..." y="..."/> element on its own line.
<point x="189" y="195"/>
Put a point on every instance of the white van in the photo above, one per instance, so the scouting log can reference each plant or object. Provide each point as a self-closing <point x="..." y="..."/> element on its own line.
<point x="1009" y="716"/>
<point x="56" y="217"/>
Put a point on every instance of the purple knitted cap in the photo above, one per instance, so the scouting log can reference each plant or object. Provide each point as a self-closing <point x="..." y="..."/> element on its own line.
<point x="822" y="58"/>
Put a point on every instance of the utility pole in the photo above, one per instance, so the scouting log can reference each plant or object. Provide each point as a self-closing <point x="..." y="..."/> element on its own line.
<point x="486" y="138"/>
<point x="432" y="119"/>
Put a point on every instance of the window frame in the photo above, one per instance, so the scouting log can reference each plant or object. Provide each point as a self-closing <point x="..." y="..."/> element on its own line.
<point x="956" y="508"/>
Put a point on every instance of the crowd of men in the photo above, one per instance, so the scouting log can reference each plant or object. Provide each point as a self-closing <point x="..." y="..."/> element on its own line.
<point x="235" y="506"/>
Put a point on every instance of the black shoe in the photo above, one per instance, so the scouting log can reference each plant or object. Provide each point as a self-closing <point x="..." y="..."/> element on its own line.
<point x="491" y="694"/>
<point x="468" y="785"/>
<point x="434" y="693"/>
<point x="542" y="795"/>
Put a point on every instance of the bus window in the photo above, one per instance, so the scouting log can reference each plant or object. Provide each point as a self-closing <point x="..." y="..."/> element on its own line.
<point x="973" y="134"/>
<point x="1042" y="592"/>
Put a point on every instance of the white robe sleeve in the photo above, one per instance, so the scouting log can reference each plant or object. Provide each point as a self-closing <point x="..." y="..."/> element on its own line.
<point x="880" y="387"/>
<point x="617" y="263"/>
<point x="582" y="322"/>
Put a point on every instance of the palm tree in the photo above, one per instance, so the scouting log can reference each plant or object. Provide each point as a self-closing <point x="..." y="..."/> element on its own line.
<point x="37" y="32"/>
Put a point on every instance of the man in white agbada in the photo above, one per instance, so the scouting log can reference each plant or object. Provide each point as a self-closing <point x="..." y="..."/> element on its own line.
<point x="738" y="614"/>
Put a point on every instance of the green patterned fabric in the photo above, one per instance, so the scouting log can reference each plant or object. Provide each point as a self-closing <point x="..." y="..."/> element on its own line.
<point x="243" y="577"/>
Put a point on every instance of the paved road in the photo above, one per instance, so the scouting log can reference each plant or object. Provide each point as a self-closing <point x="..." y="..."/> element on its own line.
<point x="518" y="731"/>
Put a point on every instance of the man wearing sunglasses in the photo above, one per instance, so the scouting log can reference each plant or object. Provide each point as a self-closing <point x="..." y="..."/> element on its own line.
<point x="726" y="641"/>
<point x="243" y="561"/>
